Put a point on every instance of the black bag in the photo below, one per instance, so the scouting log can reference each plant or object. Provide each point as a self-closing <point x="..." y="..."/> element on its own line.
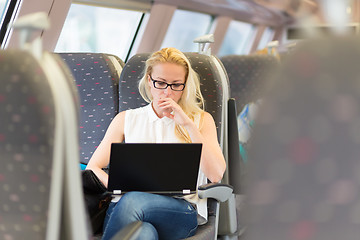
<point x="96" y="198"/>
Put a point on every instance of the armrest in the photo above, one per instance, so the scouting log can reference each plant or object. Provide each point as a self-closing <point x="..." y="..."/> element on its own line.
<point x="219" y="191"/>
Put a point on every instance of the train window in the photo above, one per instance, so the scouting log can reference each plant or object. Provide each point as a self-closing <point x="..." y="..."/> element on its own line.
<point x="238" y="38"/>
<point x="99" y="29"/>
<point x="266" y="37"/>
<point x="182" y="30"/>
<point x="8" y="10"/>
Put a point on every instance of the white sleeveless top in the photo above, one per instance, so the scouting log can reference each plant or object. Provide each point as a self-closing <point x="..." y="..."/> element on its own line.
<point x="142" y="125"/>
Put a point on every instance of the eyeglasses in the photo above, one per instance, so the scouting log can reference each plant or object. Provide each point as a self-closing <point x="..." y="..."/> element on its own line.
<point x="164" y="85"/>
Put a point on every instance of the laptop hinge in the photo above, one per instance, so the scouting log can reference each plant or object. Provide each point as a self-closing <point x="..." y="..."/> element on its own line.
<point x="117" y="192"/>
<point x="186" y="191"/>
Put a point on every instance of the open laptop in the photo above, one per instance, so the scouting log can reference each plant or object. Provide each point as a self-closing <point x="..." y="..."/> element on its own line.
<point x="162" y="168"/>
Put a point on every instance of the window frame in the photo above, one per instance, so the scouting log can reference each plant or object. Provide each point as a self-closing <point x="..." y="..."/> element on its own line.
<point x="269" y="32"/>
<point x="9" y="15"/>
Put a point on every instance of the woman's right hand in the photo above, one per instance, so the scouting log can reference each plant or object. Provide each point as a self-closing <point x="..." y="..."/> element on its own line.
<point x="172" y="110"/>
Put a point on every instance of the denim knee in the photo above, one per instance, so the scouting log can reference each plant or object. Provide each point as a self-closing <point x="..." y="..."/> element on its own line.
<point x="147" y="231"/>
<point x="131" y="205"/>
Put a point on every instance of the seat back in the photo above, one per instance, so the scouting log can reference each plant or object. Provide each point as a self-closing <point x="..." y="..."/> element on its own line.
<point x="27" y="139"/>
<point x="304" y="178"/>
<point x="247" y="76"/>
<point x="97" y="81"/>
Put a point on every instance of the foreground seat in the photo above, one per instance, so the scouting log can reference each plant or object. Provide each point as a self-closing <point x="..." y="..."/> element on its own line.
<point x="41" y="184"/>
<point x="27" y="143"/>
<point x="304" y="179"/>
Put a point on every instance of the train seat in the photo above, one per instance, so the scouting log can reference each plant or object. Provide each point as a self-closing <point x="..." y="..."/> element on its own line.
<point x="27" y="139"/>
<point x="248" y="75"/>
<point x="39" y="181"/>
<point x="41" y="184"/>
<point x="304" y="182"/>
<point x="97" y="77"/>
<point x="215" y="91"/>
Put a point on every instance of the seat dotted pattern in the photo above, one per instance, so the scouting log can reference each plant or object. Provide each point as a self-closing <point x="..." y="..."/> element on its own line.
<point x="97" y="84"/>
<point x="26" y="146"/>
<point x="211" y="87"/>
<point x="247" y="75"/>
<point x="129" y="96"/>
<point x="305" y="178"/>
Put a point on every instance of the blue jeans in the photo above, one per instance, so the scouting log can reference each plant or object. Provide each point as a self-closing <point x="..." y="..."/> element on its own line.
<point x="162" y="216"/>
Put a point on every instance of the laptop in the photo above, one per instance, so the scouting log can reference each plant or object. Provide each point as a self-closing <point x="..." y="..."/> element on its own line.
<point x="161" y="168"/>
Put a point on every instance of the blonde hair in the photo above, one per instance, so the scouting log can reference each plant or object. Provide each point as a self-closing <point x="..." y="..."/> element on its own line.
<point x="191" y="101"/>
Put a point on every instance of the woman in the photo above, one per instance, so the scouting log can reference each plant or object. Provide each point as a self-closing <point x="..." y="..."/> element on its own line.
<point x="174" y="114"/>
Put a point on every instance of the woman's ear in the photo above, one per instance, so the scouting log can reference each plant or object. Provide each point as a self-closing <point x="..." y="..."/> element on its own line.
<point x="149" y="80"/>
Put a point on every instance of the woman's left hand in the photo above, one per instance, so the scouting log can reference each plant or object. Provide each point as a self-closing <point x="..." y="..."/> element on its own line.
<point x="174" y="111"/>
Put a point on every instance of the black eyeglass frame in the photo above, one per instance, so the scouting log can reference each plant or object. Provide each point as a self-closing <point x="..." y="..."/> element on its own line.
<point x="167" y="84"/>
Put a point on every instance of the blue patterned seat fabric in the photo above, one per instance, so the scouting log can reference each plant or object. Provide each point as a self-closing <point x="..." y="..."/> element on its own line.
<point x="305" y="178"/>
<point x="97" y="83"/>
<point x="26" y="146"/>
<point x="247" y="76"/>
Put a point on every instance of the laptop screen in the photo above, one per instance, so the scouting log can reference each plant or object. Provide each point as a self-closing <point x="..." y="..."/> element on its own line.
<point x="164" y="168"/>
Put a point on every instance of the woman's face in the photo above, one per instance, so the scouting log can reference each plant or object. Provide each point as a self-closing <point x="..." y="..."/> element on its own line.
<point x="169" y="73"/>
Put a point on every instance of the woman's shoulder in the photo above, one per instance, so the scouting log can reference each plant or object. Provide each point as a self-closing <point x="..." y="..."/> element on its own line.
<point x="120" y="116"/>
<point x="206" y="116"/>
<point x="206" y="119"/>
<point x="202" y="118"/>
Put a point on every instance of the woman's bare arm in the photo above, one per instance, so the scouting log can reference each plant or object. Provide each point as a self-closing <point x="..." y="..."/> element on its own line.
<point x="212" y="162"/>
